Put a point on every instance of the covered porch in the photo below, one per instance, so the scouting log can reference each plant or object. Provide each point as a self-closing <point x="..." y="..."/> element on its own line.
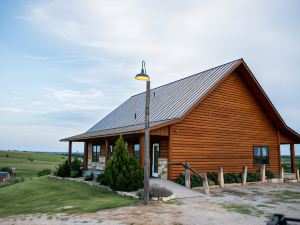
<point x="98" y="150"/>
<point x="287" y="143"/>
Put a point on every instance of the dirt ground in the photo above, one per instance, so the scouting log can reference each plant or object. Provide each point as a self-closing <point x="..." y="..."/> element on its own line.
<point x="252" y="204"/>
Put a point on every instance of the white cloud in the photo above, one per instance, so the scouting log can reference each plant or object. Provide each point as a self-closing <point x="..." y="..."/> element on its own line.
<point x="36" y="57"/>
<point x="72" y="95"/>
<point x="178" y="38"/>
<point x="11" y="110"/>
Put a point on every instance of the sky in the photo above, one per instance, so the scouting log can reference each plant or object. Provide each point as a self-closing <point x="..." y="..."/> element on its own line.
<point x="64" y="65"/>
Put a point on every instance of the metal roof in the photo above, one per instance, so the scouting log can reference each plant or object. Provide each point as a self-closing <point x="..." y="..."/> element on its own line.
<point x="115" y="131"/>
<point x="167" y="102"/>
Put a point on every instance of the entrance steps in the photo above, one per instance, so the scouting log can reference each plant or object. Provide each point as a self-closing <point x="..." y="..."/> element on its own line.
<point x="290" y="177"/>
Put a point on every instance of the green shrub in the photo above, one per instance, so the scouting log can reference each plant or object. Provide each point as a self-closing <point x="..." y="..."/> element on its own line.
<point x="74" y="173"/>
<point x="212" y="178"/>
<point x="196" y="181"/>
<point x="76" y="167"/>
<point x="44" y="172"/>
<point x="232" y="178"/>
<point x="270" y="174"/>
<point x="63" y="170"/>
<point x="123" y="172"/>
<point x="253" y="176"/>
<point x="211" y="182"/>
<point x="101" y="179"/>
<point x="89" y="177"/>
<point x="30" y="159"/>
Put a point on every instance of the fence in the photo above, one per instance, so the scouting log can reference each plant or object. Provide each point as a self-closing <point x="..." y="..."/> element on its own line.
<point x="221" y="183"/>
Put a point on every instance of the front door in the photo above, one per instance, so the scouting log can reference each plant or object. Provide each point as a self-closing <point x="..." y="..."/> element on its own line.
<point x="155" y="155"/>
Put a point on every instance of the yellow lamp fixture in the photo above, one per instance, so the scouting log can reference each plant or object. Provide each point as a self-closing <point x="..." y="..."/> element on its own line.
<point x="142" y="75"/>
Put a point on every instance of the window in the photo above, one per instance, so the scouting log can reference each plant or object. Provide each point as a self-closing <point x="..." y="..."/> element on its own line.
<point x="261" y="155"/>
<point x="136" y="151"/>
<point x="96" y="153"/>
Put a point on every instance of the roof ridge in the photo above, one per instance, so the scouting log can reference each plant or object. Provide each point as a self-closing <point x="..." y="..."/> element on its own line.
<point x="190" y="76"/>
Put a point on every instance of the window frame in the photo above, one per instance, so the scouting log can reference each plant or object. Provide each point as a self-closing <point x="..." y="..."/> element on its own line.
<point x="96" y="154"/>
<point x="137" y="157"/>
<point x="261" y="159"/>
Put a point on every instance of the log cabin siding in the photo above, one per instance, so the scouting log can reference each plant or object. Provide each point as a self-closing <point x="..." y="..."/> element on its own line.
<point x="163" y="131"/>
<point x="222" y="130"/>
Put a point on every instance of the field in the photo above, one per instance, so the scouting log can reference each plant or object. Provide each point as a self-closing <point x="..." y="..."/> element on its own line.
<point x="48" y="195"/>
<point x="28" y="164"/>
<point x="286" y="163"/>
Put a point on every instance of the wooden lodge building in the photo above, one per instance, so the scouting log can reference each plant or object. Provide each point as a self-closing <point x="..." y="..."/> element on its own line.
<point x="219" y="117"/>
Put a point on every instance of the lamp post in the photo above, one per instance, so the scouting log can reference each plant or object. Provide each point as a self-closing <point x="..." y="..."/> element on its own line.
<point x="143" y="76"/>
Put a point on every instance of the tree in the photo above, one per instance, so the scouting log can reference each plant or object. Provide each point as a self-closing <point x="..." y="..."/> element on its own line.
<point x="123" y="172"/>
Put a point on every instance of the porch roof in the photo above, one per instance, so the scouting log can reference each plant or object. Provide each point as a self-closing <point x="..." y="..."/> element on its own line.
<point x="139" y="128"/>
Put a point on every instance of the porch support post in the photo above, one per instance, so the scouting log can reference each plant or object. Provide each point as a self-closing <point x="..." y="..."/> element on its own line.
<point x="169" y="153"/>
<point x="86" y="153"/>
<point x="293" y="160"/>
<point x="106" y="151"/>
<point x="70" y="153"/>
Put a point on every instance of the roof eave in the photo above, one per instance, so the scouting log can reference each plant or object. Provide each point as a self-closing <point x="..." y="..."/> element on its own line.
<point x="93" y="135"/>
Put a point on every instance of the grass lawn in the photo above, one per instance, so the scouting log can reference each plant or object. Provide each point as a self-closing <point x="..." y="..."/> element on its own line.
<point x="28" y="164"/>
<point x="46" y="195"/>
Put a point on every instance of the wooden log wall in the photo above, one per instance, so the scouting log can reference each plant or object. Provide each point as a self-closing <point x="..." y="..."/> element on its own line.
<point x="222" y="130"/>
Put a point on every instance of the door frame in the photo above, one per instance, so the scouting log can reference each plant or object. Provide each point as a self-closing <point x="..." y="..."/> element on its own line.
<point x="153" y="159"/>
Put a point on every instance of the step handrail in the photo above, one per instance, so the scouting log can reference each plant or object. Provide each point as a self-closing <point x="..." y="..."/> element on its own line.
<point x="188" y="168"/>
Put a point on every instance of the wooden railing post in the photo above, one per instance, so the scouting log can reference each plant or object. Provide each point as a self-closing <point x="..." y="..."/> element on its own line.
<point x="263" y="173"/>
<point x="187" y="177"/>
<point x="205" y="184"/>
<point x="282" y="174"/>
<point x="245" y="171"/>
<point x="297" y="175"/>
<point x="221" y="177"/>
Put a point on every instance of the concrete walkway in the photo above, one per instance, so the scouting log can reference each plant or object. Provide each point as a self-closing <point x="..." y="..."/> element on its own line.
<point x="179" y="190"/>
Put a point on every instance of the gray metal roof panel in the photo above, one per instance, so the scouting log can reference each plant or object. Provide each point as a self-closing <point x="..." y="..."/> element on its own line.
<point x="171" y="101"/>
